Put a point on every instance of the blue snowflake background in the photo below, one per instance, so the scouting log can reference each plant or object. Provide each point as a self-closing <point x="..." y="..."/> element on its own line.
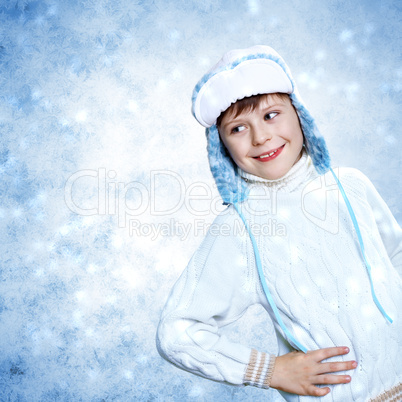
<point x="100" y="159"/>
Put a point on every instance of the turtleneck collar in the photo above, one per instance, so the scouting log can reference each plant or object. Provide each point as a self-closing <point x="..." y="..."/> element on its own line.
<point x="301" y="171"/>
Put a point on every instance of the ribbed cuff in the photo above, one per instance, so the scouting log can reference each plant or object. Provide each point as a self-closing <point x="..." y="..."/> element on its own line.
<point x="392" y="395"/>
<point x="259" y="369"/>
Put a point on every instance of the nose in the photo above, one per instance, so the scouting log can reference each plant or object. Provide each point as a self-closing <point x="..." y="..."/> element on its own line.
<point x="260" y="135"/>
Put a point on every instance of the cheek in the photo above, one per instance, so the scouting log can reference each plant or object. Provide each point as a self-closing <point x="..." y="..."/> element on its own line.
<point x="296" y="133"/>
<point x="232" y="146"/>
<point x="237" y="150"/>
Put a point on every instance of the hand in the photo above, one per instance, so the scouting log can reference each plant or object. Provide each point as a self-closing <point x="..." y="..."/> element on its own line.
<point x="299" y="373"/>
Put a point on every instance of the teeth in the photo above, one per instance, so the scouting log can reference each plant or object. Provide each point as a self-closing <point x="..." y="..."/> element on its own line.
<point x="267" y="155"/>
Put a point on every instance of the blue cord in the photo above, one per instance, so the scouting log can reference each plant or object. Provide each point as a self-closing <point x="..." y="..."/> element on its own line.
<point x="359" y="236"/>
<point x="265" y="286"/>
<point x="264" y="283"/>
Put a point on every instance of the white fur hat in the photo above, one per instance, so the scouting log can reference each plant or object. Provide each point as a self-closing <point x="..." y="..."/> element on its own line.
<point x="239" y="74"/>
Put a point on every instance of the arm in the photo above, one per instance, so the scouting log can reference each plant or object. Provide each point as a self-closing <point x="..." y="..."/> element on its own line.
<point x="388" y="227"/>
<point x="213" y="291"/>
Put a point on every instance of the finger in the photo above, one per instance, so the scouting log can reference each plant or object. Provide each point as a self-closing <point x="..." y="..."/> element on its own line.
<point x="316" y="391"/>
<point x="337" y="366"/>
<point x="331" y="379"/>
<point x="326" y="353"/>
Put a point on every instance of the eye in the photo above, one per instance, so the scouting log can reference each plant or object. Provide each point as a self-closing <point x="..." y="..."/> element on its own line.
<point x="270" y="116"/>
<point x="237" y="129"/>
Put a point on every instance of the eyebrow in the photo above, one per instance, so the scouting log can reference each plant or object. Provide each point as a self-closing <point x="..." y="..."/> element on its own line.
<point x="229" y="123"/>
<point x="275" y="104"/>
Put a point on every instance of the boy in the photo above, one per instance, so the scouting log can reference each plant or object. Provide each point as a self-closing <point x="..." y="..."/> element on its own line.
<point x="314" y="281"/>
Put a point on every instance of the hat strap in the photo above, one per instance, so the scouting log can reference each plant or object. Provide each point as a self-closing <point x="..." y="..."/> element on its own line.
<point x="268" y="295"/>
<point x="361" y="244"/>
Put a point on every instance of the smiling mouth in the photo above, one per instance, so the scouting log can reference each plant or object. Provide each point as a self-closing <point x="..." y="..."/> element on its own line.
<point x="269" y="155"/>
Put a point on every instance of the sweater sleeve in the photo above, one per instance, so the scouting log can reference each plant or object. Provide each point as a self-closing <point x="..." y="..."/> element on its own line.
<point x="390" y="231"/>
<point x="215" y="290"/>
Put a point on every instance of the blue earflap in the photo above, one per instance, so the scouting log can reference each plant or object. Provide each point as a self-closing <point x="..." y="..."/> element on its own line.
<point x="314" y="141"/>
<point x="231" y="186"/>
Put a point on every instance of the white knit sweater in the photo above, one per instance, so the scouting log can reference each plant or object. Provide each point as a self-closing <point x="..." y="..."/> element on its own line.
<point x="316" y="275"/>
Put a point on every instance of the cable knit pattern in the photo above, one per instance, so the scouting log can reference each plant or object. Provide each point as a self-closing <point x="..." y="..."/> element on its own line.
<point x="315" y="273"/>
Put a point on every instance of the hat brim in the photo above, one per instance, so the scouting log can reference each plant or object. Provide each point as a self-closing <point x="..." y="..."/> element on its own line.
<point x="251" y="77"/>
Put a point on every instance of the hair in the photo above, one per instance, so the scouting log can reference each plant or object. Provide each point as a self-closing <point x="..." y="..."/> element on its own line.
<point x="247" y="104"/>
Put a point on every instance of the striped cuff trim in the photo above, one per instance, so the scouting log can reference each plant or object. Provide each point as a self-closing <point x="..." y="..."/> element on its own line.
<point x="392" y="395"/>
<point x="259" y="369"/>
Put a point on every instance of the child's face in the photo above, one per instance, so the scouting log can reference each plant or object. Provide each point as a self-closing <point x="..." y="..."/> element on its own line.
<point x="266" y="141"/>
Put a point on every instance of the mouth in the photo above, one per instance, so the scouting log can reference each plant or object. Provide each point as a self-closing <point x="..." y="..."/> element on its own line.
<point x="267" y="156"/>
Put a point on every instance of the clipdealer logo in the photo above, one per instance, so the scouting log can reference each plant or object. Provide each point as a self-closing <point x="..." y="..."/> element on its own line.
<point x="117" y="198"/>
<point x="166" y="193"/>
